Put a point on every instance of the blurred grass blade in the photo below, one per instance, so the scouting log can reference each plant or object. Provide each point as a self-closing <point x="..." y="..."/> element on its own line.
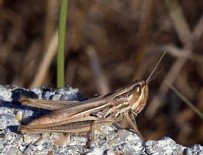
<point x="61" y="42"/>
<point x="199" y="113"/>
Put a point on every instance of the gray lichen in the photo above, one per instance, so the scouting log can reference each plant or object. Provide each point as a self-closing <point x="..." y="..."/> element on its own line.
<point x="108" y="139"/>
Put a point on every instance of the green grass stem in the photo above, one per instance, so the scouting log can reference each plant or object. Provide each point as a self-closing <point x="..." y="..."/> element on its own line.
<point x="61" y="43"/>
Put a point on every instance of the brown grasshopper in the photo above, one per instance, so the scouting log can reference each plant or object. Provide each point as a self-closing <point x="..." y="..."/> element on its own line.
<point x="81" y="117"/>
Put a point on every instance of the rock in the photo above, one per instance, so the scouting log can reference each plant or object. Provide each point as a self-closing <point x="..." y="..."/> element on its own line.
<point x="108" y="139"/>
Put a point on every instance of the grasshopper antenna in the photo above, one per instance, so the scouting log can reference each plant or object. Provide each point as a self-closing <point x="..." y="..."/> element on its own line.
<point x="151" y="74"/>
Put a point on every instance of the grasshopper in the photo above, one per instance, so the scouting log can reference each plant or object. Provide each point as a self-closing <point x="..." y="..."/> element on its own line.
<point x="80" y="117"/>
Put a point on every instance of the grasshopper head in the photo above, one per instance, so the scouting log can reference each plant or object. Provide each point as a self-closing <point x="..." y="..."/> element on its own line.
<point x="140" y="90"/>
<point x="138" y="95"/>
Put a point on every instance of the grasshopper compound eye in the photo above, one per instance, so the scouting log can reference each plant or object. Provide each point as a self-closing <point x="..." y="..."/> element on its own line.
<point x="138" y="89"/>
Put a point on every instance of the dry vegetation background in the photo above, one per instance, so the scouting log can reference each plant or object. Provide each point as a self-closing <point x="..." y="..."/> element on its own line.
<point x="110" y="44"/>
